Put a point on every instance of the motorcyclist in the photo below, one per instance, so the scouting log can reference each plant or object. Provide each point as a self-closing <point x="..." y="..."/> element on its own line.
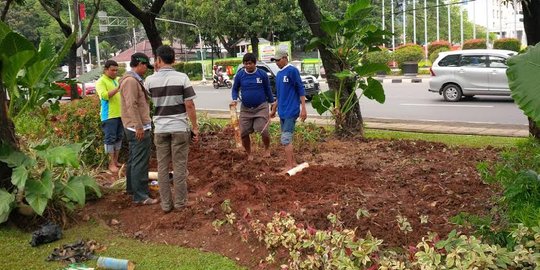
<point x="219" y="74"/>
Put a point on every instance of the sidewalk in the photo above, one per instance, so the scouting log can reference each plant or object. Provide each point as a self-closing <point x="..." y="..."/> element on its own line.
<point x="463" y="128"/>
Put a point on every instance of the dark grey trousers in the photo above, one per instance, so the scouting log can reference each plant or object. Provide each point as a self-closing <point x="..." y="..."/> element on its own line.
<point x="137" y="165"/>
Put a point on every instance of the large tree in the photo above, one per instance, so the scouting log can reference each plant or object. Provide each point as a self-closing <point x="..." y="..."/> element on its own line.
<point x="54" y="8"/>
<point x="342" y="42"/>
<point x="229" y="21"/>
<point x="531" y="23"/>
<point x="146" y="14"/>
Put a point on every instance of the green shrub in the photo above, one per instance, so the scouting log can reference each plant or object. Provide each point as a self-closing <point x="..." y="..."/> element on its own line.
<point x="517" y="173"/>
<point x="408" y="53"/>
<point x="435" y="53"/>
<point x="435" y="45"/>
<point x="79" y="122"/>
<point x="474" y="44"/>
<point x="230" y="62"/>
<point x="193" y="70"/>
<point x="382" y="56"/>
<point x="512" y="44"/>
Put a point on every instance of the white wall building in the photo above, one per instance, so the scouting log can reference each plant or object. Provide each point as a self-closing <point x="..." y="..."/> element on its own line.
<point x="505" y="20"/>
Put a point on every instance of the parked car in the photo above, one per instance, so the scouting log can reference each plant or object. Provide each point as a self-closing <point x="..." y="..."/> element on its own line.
<point x="466" y="73"/>
<point x="89" y="87"/>
<point x="66" y="87"/>
<point x="311" y="85"/>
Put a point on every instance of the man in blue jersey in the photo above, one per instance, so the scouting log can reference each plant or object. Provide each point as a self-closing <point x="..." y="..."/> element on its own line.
<point x="291" y="103"/>
<point x="252" y="87"/>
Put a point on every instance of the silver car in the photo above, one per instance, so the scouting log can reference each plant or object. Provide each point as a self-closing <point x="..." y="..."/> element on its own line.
<point x="466" y="73"/>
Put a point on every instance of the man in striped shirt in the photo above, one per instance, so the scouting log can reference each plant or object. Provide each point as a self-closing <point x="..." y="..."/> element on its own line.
<point x="172" y="95"/>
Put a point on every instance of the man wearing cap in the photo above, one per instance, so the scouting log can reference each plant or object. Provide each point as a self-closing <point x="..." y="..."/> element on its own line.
<point x="291" y="103"/>
<point x="137" y="127"/>
<point x="255" y="94"/>
<point x="172" y="95"/>
<point x="113" y="130"/>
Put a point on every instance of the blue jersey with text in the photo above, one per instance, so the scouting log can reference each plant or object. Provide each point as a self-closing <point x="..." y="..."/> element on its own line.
<point x="254" y="88"/>
<point x="289" y="89"/>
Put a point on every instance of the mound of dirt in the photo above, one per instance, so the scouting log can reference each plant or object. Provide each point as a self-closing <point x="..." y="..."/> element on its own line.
<point x="385" y="177"/>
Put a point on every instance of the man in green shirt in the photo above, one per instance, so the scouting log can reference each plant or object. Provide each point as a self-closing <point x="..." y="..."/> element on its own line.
<point x="111" y="123"/>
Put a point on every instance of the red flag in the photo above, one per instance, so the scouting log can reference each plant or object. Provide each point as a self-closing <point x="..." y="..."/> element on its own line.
<point x="82" y="11"/>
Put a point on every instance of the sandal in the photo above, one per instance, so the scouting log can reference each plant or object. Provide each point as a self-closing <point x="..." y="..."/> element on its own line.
<point x="148" y="201"/>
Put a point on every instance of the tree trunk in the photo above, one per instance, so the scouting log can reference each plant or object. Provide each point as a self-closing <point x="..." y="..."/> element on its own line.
<point x="531" y="23"/>
<point x="352" y="122"/>
<point x="147" y="19"/>
<point x="255" y="45"/>
<point x="72" y="71"/>
<point x="5" y="10"/>
<point x="149" y="24"/>
<point x="7" y="136"/>
<point x="228" y="45"/>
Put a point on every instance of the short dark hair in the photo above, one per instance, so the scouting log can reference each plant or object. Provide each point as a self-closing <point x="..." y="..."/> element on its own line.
<point x="249" y="57"/>
<point x="166" y="53"/>
<point x="110" y="63"/>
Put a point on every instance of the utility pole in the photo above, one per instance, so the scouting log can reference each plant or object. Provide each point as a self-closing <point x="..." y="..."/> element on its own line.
<point x="393" y="31"/>
<point x="449" y="24"/>
<point x="425" y="30"/>
<point x="461" y="23"/>
<point x="98" y="57"/>
<point x="414" y="20"/>
<point x="437" y="7"/>
<point x="404" y="21"/>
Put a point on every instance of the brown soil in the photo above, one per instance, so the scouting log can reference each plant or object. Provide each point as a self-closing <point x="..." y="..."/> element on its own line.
<point x="385" y="177"/>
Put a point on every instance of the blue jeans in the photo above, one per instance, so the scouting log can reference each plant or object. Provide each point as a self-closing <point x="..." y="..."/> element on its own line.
<point x="137" y="165"/>
<point x="287" y="130"/>
<point x="113" y="132"/>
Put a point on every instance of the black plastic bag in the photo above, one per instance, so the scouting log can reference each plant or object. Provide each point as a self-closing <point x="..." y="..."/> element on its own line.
<point x="49" y="232"/>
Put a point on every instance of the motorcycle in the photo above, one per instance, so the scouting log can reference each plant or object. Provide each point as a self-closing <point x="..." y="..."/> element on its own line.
<point x="224" y="82"/>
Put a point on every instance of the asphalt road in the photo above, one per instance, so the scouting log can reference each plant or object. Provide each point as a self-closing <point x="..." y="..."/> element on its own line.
<point x="404" y="101"/>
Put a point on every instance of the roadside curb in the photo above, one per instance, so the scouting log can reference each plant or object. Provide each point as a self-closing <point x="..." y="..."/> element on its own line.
<point x="439" y="127"/>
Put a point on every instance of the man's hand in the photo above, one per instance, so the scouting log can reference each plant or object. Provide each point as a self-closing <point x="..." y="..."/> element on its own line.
<point x="195" y="135"/>
<point x="139" y="134"/>
<point x="303" y="114"/>
<point x="233" y="103"/>
<point x="273" y="108"/>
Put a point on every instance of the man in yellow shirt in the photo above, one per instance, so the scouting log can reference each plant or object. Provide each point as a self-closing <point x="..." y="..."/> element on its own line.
<point x="111" y="123"/>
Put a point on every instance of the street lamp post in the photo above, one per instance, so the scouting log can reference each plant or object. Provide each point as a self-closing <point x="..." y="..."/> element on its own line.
<point x="201" y="42"/>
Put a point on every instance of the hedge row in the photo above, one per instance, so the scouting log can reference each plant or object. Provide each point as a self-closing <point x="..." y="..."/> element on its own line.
<point x="193" y="70"/>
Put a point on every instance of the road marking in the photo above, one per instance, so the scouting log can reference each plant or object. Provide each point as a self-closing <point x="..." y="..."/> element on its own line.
<point x="446" y="105"/>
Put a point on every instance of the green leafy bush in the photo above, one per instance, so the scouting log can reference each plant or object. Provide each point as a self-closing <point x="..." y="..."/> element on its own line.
<point x="45" y="178"/>
<point x="435" y="54"/>
<point x="512" y="44"/>
<point x="230" y="62"/>
<point x="382" y="56"/>
<point x="437" y="44"/>
<point x="474" y="44"/>
<point x="408" y="53"/>
<point x="517" y="174"/>
<point x="79" y="122"/>
<point x="193" y="70"/>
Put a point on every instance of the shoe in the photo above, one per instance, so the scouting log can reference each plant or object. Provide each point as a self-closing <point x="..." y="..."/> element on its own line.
<point x="166" y="211"/>
<point x="148" y="201"/>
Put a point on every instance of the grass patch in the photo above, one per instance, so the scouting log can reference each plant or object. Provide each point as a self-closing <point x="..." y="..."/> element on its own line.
<point x="475" y="141"/>
<point x="16" y="252"/>
<point x="449" y="139"/>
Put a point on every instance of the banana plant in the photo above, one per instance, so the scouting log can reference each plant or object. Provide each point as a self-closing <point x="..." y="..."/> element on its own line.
<point x="522" y="73"/>
<point x="26" y="72"/>
<point x="349" y="39"/>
